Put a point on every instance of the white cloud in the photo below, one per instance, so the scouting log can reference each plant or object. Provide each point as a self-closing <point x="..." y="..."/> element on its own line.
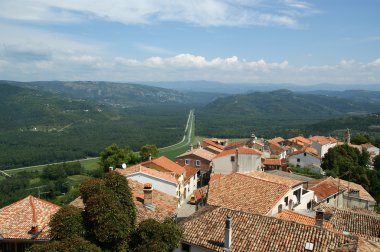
<point x="199" y="12"/>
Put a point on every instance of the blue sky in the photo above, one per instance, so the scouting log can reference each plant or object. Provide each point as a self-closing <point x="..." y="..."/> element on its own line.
<point x="272" y="41"/>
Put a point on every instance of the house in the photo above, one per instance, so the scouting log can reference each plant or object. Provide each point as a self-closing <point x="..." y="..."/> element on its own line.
<point x="371" y="149"/>
<point x="349" y="195"/>
<point x="162" y="181"/>
<point x="149" y="202"/>
<point x="305" y="157"/>
<point x="215" y="146"/>
<point x="25" y="223"/>
<point x="200" y="159"/>
<point x="356" y="222"/>
<point x="298" y="142"/>
<point x="258" y="193"/>
<point x="234" y="230"/>
<point x="304" y="219"/>
<point x="276" y="149"/>
<point x="322" y="144"/>
<point x="190" y="182"/>
<point x="241" y="159"/>
<point x="272" y="164"/>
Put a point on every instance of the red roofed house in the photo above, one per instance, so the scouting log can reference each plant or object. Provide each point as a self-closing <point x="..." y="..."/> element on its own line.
<point x="214" y="145"/>
<point x="200" y="159"/>
<point x="306" y="157"/>
<point x="242" y="159"/>
<point x="24" y="223"/>
<point x="322" y="144"/>
<point x="272" y="164"/>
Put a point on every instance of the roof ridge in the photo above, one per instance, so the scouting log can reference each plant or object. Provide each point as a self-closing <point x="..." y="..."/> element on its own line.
<point x="33" y="210"/>
<point x="262" y="179"/>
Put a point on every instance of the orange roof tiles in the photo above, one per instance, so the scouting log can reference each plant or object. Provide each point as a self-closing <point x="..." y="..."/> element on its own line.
<point x="240" y="150"/>
<point x="300" y="139"/>
<point x="325" y="188"/>
<point x="139" y="168"/>
<point x="271" y="161"/>
<point x="190" y="171"/>
<point x="274" y="178"/>
<point x="166" y="164"/>
<point x="300" y="218"/>
<point x="277" y="140"/>
<point x="246" y="193"/>
<point x="200" y="152"/>
<point x="253" y="232"/>
<point x="212" y="143"/>
<point x="363" y="194"/>
<point x="323" y="139"/>
<point x="17" y="219"/>
<point x="309" y="150"/>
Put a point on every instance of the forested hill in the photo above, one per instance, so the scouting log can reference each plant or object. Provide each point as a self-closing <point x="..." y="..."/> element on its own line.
<point x="121" y="94"/>
<point x="38" y="127"/>
<point x="280" y="112"/>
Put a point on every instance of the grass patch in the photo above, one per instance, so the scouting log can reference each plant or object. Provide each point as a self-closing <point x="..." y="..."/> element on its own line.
<point x="76" y="180"/>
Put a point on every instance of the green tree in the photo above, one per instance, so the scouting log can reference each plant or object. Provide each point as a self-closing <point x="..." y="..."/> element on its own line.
<point x="360" y="139"/>
<point x="114" y="156"/>
<point x="74" y="244"/>
<point x="154" y="236"/>
<point x="67" y="222"/>
<point x="376" y="163"/>
<point x="148" y="150"/>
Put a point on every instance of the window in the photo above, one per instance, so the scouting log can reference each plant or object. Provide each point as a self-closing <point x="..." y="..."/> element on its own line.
<point x="197" y="162"/>
<point x="328" y="200"/>
<point x="304" y="154"/>
<point x="334" y="196"/>
<point x="232" y="158"/>
<point x="298" y="160"/>
<point x="286" y="201"/>
<point x="185" y="247"/>
<point x="187" y="161"/>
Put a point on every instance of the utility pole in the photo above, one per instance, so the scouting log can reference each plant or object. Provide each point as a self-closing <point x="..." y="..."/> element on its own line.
<point x="39" y="190"/>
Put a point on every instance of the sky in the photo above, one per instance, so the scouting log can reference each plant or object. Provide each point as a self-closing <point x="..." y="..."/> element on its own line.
<point x="232" y="41"/>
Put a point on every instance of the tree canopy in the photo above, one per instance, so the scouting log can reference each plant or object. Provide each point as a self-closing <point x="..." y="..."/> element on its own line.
<point x="114" y="156"/>
<point x="148" y="150"/>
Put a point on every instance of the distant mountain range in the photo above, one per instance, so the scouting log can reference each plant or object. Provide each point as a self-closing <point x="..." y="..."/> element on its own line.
<point x="236" y="88"/>
<point x="121" y="94"/>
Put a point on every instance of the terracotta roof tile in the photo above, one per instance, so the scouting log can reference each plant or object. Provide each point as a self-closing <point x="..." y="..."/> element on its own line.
<point x="300" y="139"/>
<point x="212" y="143"/>
<point x="363" y="194"/>
<point x="309" y="150"/>
<point x="358" y="223"/>
<point x="274" y="178"/>
<point x="323" y="139"/>
<point x="246" y="193"/>
<point x="190" y="171"/>
<point x="17" y="219"/>
<point x="252" y="232"/>
<point x="166" y="164"/>
<point x="300" y="218"/>
<point x="241" y="150"/>
<point x="272" y="161"/>
<point x="142" y="169"/>
<point x="200" y="152"/>
<point x="291" y="175"/>
<point x="325" y="188"/>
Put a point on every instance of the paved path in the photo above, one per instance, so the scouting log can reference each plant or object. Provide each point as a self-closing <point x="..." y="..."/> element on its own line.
<point x="185" y="210"/>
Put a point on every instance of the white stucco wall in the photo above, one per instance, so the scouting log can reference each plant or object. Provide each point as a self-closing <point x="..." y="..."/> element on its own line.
<point x="322" y="149"/>
<point x="158" y="184"/>
<point x="247" y="163"/>
<point x="304" y="160"/>
<point x="191" y="186"/>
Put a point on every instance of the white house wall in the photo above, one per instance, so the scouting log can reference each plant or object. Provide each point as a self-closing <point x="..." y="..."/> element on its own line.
<point x="158" y="184"/>
<point x="304" y="160"/>
<point x="247" y="163"/>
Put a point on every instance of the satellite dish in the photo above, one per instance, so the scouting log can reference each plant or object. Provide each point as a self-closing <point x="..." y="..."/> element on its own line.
<point x="124" y="165"/>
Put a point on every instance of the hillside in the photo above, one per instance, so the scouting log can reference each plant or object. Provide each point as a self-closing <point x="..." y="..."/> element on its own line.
<point x="40" y="127"/>
<point x="118" y="94"/>
<point x="280" y="112"/>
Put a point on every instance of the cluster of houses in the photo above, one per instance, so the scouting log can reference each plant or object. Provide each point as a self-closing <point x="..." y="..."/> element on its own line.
<point x="246" y="198"/>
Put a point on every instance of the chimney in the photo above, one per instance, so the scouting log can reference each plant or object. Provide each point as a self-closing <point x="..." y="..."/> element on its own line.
<point x="319" y="215"/>
<point x="34" y="229"/>
<point x="110" y="169"/>
<point x="148" y="194"/>
<point x="228" y="234"/>
<point x="150" y="157"/>
<point x="191" y="147"/>
<point x="237" y="160"/>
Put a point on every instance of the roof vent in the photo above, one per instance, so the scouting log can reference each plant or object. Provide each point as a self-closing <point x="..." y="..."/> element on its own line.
<point x="309" y="246"/>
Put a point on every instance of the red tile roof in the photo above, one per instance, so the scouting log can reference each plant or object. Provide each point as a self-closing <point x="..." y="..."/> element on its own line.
<point x="241" y="150"/>
<point x="323" y="139"/>
<point x="274" y="178"/>
<point x="212" y="143"/>
<point x="200" y="152"/>
<point x="325" y="188"/>
<point x="246" y="193"/>
<point x="300" y="139"/>
<point x="271" y="161"/>
<point x="17" y="219"/>
<point x="166" y="164"/>
<point x="190" y="171"/>
<point x="253" y="232"/>
<point x="293" y="216"/>
<point x="308" y="150"/>
<point x="142" y="169"/>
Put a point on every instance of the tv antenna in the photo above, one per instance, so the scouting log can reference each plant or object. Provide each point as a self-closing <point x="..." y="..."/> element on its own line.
<point x="39" y="190"/>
